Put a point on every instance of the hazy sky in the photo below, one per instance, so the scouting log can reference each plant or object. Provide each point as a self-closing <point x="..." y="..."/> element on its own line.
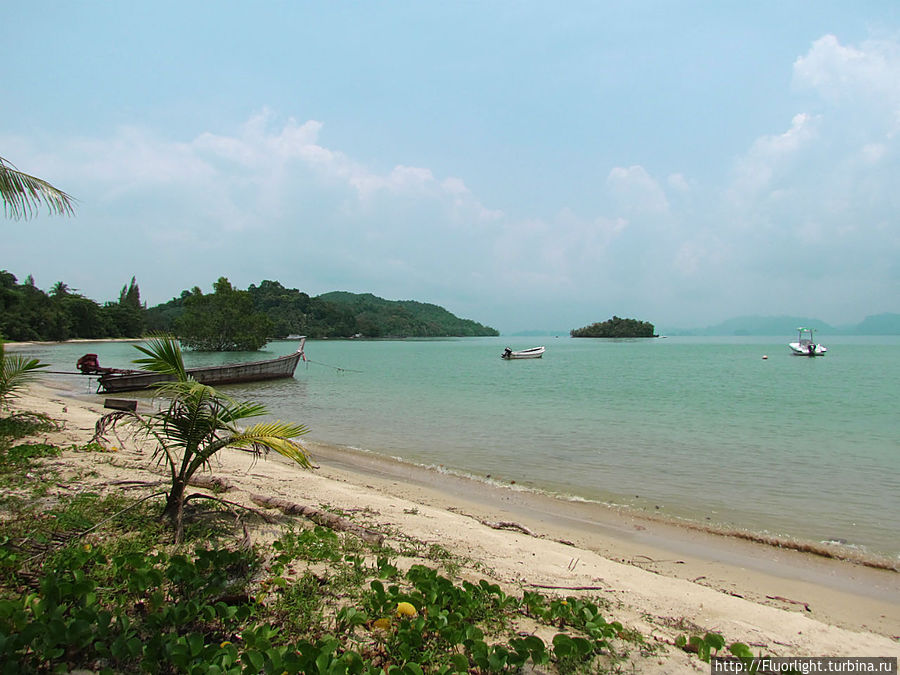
<point x="524" y="164"/>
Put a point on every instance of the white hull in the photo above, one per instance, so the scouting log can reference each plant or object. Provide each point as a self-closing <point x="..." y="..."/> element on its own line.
<point x="533" y="353"/>
<point x="798" y="349"/>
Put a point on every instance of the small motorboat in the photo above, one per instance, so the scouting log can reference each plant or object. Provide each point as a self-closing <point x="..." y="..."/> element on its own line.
<point x="806" y="345"/>
<point x="533" y="353"/>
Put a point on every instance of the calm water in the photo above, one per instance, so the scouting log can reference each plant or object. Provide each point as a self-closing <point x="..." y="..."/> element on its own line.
<point x="703" y="428"/>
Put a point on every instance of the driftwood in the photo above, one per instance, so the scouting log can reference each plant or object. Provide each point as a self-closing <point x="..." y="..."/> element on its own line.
<point x="805" y="605"/>
<point x="509" y="525"/>
<point x="318" y="516"/>
<point x="569" y="588"/>
<point x="212" y="483"/>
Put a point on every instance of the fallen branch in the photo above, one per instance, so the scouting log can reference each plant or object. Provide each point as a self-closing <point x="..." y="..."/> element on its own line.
<point x="318" y="516"/>
<point x="212" y="483"/>
<point x="568" y="588"/>
<point x="805" y="605"/>
<point x="508" y="525"/>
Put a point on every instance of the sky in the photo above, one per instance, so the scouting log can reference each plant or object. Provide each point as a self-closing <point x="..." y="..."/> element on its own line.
<point x="528" y="165"/>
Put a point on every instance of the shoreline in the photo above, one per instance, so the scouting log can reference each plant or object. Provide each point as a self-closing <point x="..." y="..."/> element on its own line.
<point x="344" y="456"/>
<point x="794" y="602"/>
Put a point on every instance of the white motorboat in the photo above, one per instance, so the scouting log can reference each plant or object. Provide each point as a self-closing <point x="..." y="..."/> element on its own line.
<point x="533" y="353"/>
<point x="806" y="345"/>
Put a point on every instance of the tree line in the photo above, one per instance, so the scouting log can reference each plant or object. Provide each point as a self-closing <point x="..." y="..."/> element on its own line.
<point x="28" y="313"/>
<point x="232" y="319"/>
<point x="227" y="319"/>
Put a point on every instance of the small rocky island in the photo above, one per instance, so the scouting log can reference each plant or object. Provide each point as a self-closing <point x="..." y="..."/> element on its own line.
<point x="616" y="328"/>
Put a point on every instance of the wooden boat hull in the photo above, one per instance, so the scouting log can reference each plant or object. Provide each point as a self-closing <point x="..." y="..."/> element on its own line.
<point x="233" y="373"/>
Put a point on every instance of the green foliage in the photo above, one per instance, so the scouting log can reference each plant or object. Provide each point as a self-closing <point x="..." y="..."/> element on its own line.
<point x="377" y="317"/>
<point x="22" y="194"/>
<point x="15" y="374"/>
<point x="28" y="313"/>
<point x="337" y="314"/>
<point x="616" y="328"/>
<point x="711" y="644"/>
<point x="222" y="321"/>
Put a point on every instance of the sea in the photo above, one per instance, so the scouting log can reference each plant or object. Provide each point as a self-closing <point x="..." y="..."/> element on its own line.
<point x="723" y="432"/>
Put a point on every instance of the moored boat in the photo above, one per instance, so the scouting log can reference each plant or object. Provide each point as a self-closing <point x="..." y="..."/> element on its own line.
<point x="115" y="380"/>
<point x="533" y="353"/>
<point x="806" y="345"/>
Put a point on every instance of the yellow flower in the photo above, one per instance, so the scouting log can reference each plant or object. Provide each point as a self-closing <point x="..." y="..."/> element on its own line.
<point x="405" y="609"/>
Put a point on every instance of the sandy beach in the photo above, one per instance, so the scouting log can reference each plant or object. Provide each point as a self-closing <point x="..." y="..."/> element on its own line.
<point x="660" y="577"/>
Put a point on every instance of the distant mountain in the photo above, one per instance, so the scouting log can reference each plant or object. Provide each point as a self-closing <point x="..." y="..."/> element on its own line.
<point x="879" y="324"/>
<point x="377" y="317"/>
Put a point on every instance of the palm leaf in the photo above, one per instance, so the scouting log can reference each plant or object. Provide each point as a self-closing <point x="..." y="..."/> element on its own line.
<point x="15" y="373"/>
<point x="163" y="355"/>
<point x="23" y="194"/>
<point x="275" y="436"/>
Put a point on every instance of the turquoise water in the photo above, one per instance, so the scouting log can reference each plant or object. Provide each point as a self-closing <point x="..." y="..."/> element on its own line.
<point x="702" y="428"/>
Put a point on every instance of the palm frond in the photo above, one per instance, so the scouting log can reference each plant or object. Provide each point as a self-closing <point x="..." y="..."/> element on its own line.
<point x="277" y="436"/>
<point x="23" y="194"/>
<point x="163" y="355"/>
<point x="15" y="373"/>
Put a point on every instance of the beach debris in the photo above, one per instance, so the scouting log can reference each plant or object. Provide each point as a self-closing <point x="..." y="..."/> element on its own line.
<point x="573" y="563"/>
<point x="318" y="516"/>
<point x="508" y="525"/>
<point x="780" y="598"/>
<point x="569" y="588"/>
<point x="212" y="483"/>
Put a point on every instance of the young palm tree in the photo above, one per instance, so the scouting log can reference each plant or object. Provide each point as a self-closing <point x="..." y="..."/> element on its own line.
<point x="197" y="423"/>
<point x="15" y="373"/>
<point x="23" y="194"/>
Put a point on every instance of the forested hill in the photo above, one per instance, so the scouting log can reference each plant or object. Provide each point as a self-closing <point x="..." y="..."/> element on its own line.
<point x="336" y="315"/>
<point x="377" y="317"/>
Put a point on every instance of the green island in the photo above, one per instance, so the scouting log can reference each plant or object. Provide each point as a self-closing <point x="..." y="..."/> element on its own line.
<point x="225" y="319"/>
<point x="616" y="328"/>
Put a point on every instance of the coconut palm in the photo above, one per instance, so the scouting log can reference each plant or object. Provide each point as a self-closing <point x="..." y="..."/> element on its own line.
<point x="23" y="194"/>
<point x="15" y="373"/>
<point x="198" y="422"/>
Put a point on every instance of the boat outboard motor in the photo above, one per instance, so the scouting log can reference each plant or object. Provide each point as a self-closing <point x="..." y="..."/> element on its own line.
<point x="88" y="364"/>
<point x="812" y="350"/>
<point x="506" y="353"/>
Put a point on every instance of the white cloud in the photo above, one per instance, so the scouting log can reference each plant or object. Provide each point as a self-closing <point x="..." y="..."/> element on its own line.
<point x="635" y="191"/>
<point x="840" y="72"/>
<point x="771" y="157"/>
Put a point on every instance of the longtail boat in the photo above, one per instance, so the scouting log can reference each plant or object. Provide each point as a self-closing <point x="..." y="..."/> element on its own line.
<point x="114" y="380"/>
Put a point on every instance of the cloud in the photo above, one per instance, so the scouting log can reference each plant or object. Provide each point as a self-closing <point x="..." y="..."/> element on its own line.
<point x="771" y="159"/>
<point x="635" y="191"/>
<point x="841" y="73"/>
